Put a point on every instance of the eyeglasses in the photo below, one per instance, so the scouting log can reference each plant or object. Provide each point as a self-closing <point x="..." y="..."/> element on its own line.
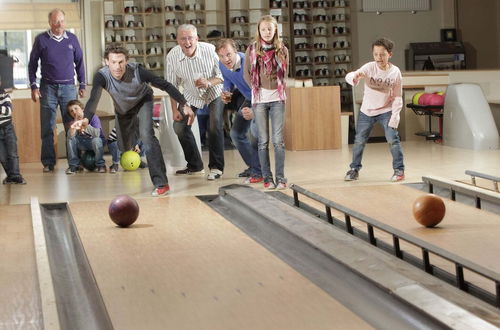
<point x="190" y="38"/>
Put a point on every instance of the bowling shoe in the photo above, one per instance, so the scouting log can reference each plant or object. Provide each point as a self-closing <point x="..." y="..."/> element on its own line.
<point x="160" y="191"/>
<point x="269" y="184"/>
<point x="253" y="179"/>
<point x="48" y="168"/>
<point x="281" y="185"/>
<point x="246" y="173"/>
<point x="399" y="175"/>
<point x="351" y="175"/>
<point x="113" y="168"/>
<point x="188" y="171"/>
<point x="214" y="174"/>
<point x="71" y="170"/>
<point x="14" y="180"/>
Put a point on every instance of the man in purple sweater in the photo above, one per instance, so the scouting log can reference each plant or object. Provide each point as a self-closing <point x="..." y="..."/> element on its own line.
<point x="60" y="55"/>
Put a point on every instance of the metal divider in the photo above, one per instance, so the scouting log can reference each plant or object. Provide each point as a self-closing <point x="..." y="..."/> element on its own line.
<point x="458" y="279"/>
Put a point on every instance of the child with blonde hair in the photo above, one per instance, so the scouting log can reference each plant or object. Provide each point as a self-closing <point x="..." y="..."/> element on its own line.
<point x="266" y="69"/>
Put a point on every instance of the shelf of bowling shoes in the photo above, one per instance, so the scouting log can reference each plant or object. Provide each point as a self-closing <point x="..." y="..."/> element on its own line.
<point x="239" y="38"/>
<point x="249" y="9"/>
<point x="322" y="63"/>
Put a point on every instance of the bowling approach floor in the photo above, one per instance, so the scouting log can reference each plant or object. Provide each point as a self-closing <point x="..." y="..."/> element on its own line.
<point x="184" y="266"/>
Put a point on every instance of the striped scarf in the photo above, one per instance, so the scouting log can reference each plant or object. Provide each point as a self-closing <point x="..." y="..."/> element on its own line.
<point x="270" y="62"/>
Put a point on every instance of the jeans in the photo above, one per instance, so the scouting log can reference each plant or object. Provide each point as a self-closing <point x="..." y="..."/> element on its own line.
<point x="139" y="119"/>
<point x="215" y="139"/>
<point x="8" y="151"/>
<point x="202" y="115"/>
<point x="363" y="129"/>
<point x="114" y="151"/>
<point x="276" y="112"/>
<point x="80" y="142"/>
<point x="52" y="96"/>
<point x="244" y="136"/>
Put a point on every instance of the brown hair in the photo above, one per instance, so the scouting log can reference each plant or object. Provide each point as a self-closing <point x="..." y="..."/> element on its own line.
<point x="115" y="49"/>
<point x="384" y="42"/>
<point x="277" y="42"/>
<point x="72" y="103"/>
<point x="224" y="42"/>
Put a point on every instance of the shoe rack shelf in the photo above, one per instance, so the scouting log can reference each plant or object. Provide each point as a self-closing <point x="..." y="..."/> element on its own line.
<point x="321" y="42"/>
<point x="242" y="18"/>
<point x="147" y="28"/>
<point x="316" y="32"/>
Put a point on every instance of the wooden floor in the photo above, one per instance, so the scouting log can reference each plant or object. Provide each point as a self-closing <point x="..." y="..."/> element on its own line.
<point x="183" y="266"/>
<point x="310" y="169"/>
<point x="320" y="171"/>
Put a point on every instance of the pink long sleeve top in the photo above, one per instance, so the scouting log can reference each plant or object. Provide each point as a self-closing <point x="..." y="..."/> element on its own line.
<point x="383" y="90"/>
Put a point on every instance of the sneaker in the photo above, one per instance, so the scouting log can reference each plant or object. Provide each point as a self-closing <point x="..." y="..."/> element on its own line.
<point x="245" y="174"/>
<point x="48" y="168"/>
<point x="253" y="179"/>
<point x="188" y="171"/>
<point x="113" y="168"/>
<point x="71" y="170"/>
<point x="399" y="175"/>
<point x="14" y="180"/>
<point x="351" y="175"/>
<point x="160" y="191"/>
<point x="101" y="169"/>
<point x="143" y="164"/>
<point x="19" y="180"/>
<point x="214" y="174"/>
<point x="269" y="184"/>
<point x="281" y="185"/>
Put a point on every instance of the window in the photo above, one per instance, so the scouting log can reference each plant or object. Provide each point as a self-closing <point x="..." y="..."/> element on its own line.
<point x="18" y="44"/>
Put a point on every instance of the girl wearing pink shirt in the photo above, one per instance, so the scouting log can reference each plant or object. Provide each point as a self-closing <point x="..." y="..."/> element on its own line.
<point x="382" y="103"/>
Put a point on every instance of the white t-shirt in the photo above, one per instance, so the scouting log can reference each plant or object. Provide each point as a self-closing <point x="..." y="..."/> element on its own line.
<point x="383" y="90"/>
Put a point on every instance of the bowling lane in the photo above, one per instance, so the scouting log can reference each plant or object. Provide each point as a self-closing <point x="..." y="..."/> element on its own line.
<point x="20" y="298"/>
<point x="183" y="266"/>
<point x="464" y="230"/>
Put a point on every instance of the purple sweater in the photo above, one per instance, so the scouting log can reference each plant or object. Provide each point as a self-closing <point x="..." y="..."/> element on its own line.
<point x="59" y="60"/>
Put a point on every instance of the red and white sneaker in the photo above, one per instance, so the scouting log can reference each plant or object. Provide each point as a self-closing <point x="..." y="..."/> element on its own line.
<point x="399" y="175"/>
<point x="269" y="184"/>
<point x="281" y="185"/>
<point x="160" y="191"/>
<point x="253" y="179"/>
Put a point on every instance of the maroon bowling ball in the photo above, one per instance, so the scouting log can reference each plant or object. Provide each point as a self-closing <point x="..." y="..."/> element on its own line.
<point x="123" y="210"/>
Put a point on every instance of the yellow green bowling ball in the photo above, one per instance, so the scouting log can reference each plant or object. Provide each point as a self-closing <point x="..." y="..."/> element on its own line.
<point x="130" y="160"/>
<point x="416" y="97"/>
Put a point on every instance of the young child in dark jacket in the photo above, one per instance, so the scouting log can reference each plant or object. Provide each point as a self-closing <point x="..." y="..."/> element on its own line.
<point x="8" y="141"/>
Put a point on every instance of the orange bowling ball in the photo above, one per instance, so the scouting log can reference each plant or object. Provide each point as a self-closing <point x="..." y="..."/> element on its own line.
<point x="429" y="210"/>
